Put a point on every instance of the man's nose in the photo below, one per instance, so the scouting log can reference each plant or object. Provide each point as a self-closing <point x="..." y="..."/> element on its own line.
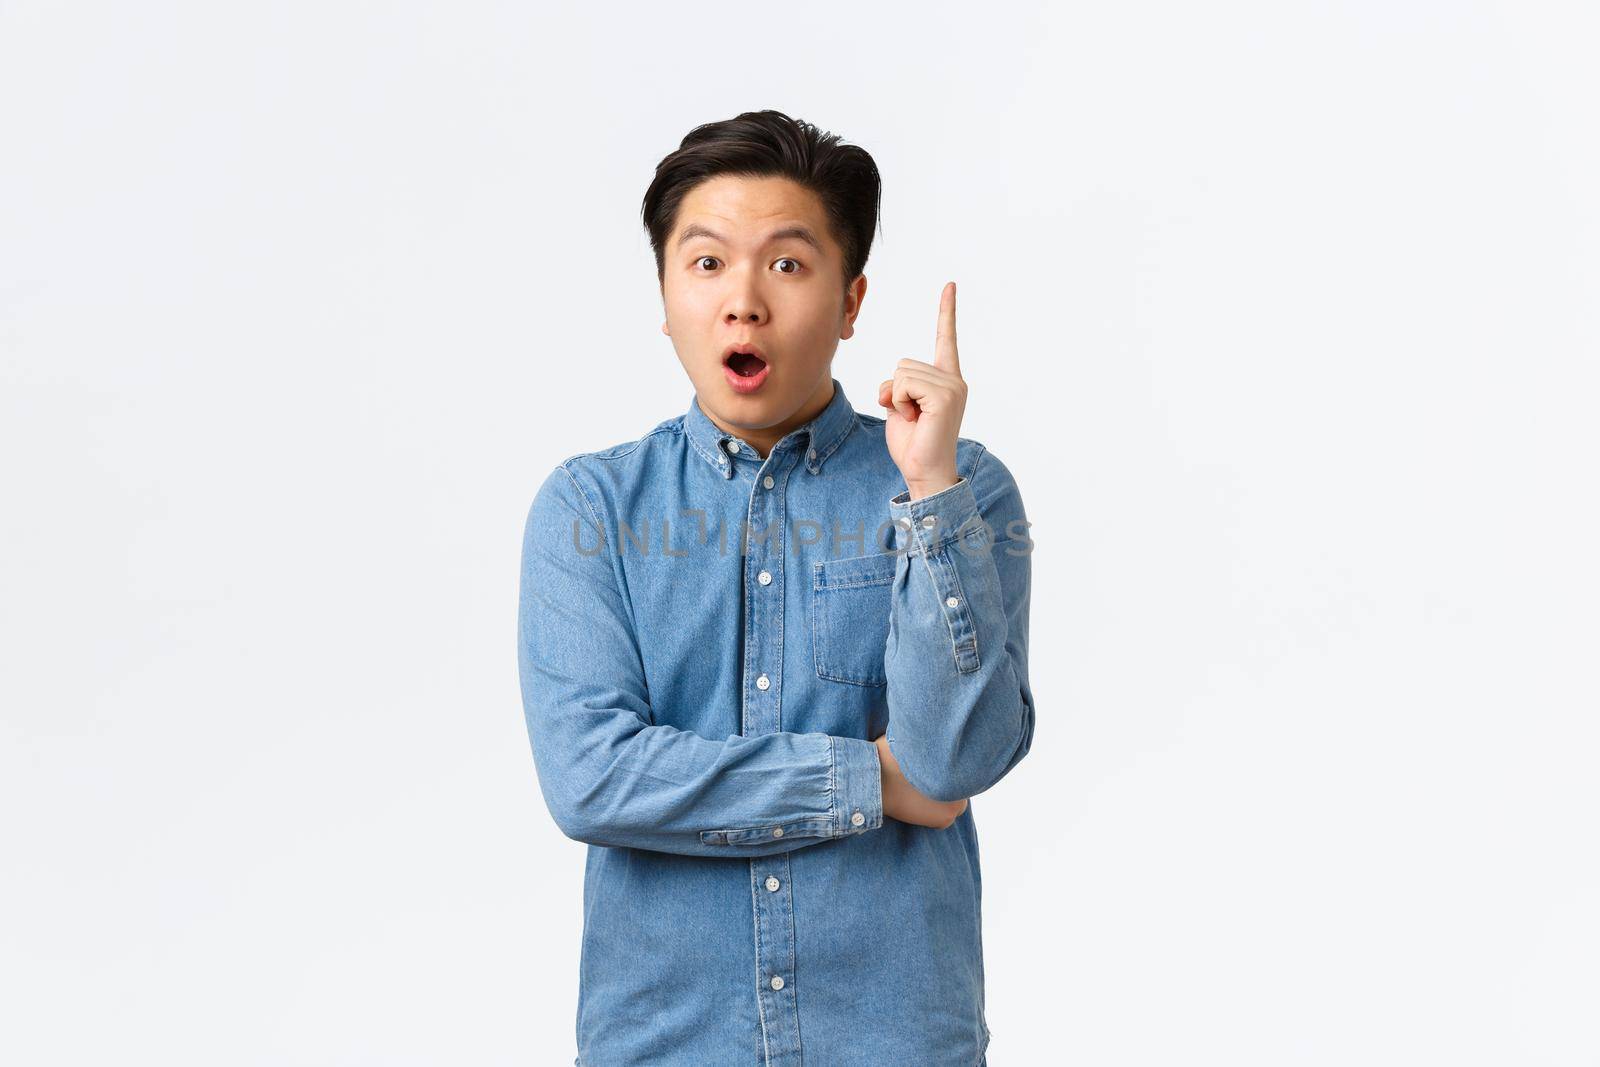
<point x="746" y="305"/>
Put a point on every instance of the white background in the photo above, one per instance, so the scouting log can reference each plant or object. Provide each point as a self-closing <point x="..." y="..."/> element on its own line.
<point x="1283" y="316"/>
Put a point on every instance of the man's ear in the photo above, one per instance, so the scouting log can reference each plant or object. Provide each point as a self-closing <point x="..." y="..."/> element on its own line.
<point x="853" y="297"/>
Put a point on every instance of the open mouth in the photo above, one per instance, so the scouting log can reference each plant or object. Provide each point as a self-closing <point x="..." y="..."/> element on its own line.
<point x="746" y="364"/>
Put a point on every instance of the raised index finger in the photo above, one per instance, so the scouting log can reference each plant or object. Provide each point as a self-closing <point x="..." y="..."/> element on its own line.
<point x="944" y="342"/>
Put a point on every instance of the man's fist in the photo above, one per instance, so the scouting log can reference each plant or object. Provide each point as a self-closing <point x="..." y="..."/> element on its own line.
<point x="923" y="405"/>
<point x="902" y="801"/>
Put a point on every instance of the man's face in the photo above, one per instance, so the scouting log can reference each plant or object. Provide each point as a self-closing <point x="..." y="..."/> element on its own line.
<point x="741" y="271"/>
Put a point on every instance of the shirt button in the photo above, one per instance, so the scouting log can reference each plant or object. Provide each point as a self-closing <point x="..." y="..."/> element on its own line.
<point x="777" y="981"/>
<point x="777" y="831"/>
<point x="811" y="453"/>
<point x="951" y="601"/>
<point x="764" y="578"/>
<point x="772" y="884"/>
<point x="928" y="521"/>
<point x="763" y="683"/>
<point x="731" y="445"/>
<point x="768" y="482"/>
<point x="857" y="819"/>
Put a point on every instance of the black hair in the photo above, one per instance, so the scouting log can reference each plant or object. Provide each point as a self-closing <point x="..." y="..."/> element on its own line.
<point x="760" y="144"/>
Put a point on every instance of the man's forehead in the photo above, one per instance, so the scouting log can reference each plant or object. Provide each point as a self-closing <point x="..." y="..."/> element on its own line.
<point x="723" y="233"/>
<point x="751" y="210"/>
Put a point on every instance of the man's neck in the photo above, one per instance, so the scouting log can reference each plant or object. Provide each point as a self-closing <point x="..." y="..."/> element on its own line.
<point x="763" y="439"/>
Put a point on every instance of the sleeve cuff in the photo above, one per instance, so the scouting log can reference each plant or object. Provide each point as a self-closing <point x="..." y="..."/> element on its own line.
<point x="927" y="524"/>
<point x="857" y="786"/>
<point x="923" y="527"/>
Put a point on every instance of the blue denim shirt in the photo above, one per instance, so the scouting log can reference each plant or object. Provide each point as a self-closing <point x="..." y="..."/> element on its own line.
<point x="708" y="642"/>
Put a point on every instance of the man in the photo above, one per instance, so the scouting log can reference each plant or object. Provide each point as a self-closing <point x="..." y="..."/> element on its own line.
<point x="770" y="648"/>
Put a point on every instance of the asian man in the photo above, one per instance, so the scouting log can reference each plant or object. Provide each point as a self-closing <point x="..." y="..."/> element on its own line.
<point x="771" y="647"/>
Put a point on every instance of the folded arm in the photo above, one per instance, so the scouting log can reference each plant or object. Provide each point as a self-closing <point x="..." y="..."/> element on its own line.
<point x="610" y="777"/>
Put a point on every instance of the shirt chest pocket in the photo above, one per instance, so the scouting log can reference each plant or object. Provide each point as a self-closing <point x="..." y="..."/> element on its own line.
<point x="850" y="601"/>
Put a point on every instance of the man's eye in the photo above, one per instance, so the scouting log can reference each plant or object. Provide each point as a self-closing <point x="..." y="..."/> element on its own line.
<point x="787" y="259"/>
<point x="702" y="259"/>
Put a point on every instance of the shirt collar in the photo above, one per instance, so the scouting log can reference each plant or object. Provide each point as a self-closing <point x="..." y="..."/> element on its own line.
<point x="820" y="437"/>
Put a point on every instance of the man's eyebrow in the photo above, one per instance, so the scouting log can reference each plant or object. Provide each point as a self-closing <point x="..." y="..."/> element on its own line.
<point x="694" y="229"/>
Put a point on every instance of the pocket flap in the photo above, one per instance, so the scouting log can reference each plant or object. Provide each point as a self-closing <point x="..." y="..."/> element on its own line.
<point x="873" y="569"/>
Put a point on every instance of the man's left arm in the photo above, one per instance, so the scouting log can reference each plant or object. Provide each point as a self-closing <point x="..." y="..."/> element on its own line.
<point x="960" y="706"/>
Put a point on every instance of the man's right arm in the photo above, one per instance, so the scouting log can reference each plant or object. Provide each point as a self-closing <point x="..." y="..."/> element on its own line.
<point x="610" y="777"/>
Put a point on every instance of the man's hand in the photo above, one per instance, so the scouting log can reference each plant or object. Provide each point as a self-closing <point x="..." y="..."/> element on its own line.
<point x="902" y="801"/>
<point x="924" y="403"/>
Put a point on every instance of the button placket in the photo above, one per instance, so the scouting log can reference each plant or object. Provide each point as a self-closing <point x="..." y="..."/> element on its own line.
<point x="763" y="618"/>
<point x="763" y="570"/>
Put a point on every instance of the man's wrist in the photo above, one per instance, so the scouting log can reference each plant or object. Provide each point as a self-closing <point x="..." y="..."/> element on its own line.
<point x="927" y="487"/>
<point x="886" y="769"/>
